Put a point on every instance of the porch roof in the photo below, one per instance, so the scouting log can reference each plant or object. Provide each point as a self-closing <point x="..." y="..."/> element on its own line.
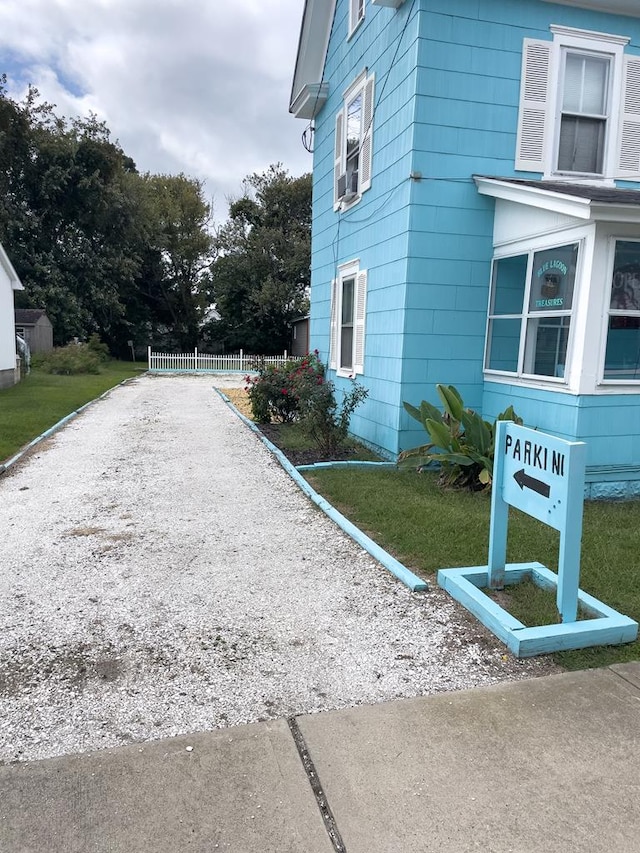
<point x="584" y="201"/>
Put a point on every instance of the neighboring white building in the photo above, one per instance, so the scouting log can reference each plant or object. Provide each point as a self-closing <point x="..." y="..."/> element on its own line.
<point x="9" y="282"/>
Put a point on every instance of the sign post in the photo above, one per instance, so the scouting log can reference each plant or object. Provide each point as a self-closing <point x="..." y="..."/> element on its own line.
<point x="544" y="477"/>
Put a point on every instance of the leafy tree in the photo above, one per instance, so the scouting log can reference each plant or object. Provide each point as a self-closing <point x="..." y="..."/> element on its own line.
<point x="101" y="248"/>
<point x="66" y="219"/>
<point x="260" y="277"/>
<point x="180" y="248"/>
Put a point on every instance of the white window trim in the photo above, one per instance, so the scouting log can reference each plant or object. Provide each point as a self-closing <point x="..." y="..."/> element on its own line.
<point x="348" y="270"/>
<point x="598" y="231"/>
<point x="540" y="105"/>
<point x="363" y="84"/>
<point x="579" y="35"/>
<point x="520" y="377"/>
<point x="354" y="20"/>
<point x="599" y="44"/>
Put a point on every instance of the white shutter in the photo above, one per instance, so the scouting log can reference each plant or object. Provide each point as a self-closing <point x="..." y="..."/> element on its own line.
<point x="338" y="167"/>
<point x="534" y="103"/>
<point x="356" y="14"/>
<point x="359" y="321"/>
<point x="353" y="15"/>
<point x="366" y="152"/>
<point x="333" y="334"/>
<point x="629" y="153"/>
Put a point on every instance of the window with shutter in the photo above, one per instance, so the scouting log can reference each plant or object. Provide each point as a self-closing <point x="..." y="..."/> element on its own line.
<point x="353" y="143"/>
<point x="348" y="315"/>
<point x="579" y="113"/>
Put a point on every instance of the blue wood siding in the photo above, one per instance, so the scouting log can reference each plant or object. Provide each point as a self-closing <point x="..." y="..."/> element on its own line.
<point x="608" y="423"/>
<point x="549" y="411"/>
<point x="446" y="107"/>
<point x="376" y="230"/>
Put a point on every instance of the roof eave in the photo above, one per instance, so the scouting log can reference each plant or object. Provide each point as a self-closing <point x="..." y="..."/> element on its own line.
<point x="535" y="197"/>
<point x="612" y="212"/>
<point x="310" y="100"/>
<point x="6" y="264"/>
<point x="616" y="7"/>
<point x="317" y="19"/>
<point x="577" y="206"/>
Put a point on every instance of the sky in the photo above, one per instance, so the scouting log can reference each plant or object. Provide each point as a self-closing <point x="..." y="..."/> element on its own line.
<point x="194" y="86"/>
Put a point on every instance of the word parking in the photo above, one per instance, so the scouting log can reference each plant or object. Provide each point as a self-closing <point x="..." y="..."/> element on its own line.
<point x="535" y="455"/>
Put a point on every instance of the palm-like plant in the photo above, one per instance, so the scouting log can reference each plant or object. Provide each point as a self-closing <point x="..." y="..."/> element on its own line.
<point x="462" y="443"/>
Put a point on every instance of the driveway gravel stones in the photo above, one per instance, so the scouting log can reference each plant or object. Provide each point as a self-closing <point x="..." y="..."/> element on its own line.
<point x="161" y="574"/>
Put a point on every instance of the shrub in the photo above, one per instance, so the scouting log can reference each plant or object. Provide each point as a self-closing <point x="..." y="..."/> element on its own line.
<point x="299" y="391"/>
<point x="461" y="441"/>
<point x="326" y="423"/>
<point x="271" y="394"/>
<point x="72" y="359"/>
<point x="96" y="346"/>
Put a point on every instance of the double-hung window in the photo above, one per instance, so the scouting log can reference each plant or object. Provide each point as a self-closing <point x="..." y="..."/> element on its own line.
<point x="622" y="355"/>
<point x="353" y="151"/>
<point x="348" y="310"/>
<point x="530" y="312"/>
<point x="584" y="113"/>
<point x="579" y="111"/>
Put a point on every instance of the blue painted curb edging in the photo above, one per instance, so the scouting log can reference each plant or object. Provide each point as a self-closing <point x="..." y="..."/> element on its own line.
<point x="4" y="466"/>
<point x="396" y="568"/>
<point x="347" y="463"/>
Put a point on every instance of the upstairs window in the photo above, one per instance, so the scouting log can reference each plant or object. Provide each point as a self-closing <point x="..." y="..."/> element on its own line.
<point x="584" y="113"/>
<point x="353" y="150"/>
<point x="579" y="107"/>
<point x="353" y="141"/>
<point x="530" y="312"/>
<point x="356" y="14"/>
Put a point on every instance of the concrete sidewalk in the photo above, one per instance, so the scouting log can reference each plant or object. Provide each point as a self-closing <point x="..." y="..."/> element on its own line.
<point x="546" y="764"/>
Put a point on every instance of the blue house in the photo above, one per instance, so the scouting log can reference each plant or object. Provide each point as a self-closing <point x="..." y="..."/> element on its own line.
<point x="476" y="213"/>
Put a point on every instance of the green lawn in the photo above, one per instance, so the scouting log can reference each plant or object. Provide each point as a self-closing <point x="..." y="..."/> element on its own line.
<point x="428" y="529"/>
<point x="42" y="399"/>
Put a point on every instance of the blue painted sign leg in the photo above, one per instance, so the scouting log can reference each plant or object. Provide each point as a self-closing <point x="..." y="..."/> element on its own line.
<point x="571" y="537"/>
<point x="499" y="515"/>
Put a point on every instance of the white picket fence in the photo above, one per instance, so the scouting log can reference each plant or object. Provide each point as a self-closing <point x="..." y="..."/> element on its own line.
<point x="195" y="362"/>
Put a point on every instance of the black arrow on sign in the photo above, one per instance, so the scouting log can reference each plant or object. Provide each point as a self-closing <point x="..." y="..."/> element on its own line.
<point x="527" y="482"/>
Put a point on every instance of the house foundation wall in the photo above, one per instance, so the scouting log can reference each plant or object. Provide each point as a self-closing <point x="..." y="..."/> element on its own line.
<point x="9" y="377"/>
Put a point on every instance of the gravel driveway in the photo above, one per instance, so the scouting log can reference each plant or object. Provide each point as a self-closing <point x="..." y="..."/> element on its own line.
<point x="162" y="574"/>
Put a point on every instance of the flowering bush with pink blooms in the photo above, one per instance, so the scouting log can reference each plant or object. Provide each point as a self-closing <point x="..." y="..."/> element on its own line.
<point x="276" y="393"/>
<point x="299" y="391"/>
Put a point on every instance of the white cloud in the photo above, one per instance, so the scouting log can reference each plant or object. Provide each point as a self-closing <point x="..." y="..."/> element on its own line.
<point x="197" y="86"/>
